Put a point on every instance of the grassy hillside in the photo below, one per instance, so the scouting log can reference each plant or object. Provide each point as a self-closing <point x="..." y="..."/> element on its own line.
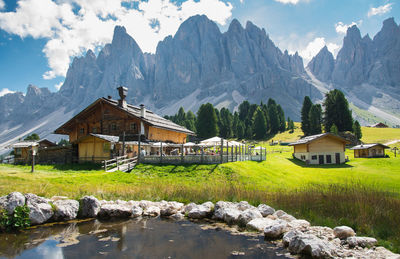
<point x="370" y="135"/>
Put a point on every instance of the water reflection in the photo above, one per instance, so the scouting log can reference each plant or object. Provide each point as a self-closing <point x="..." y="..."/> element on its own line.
<point x="144" y="238"/>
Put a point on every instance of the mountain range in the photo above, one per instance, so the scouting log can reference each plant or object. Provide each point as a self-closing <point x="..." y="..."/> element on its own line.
<point x="200" y="64"/>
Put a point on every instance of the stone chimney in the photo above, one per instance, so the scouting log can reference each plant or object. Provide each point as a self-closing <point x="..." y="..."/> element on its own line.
<point x="122" y="91"/>
<point x="142" y="111"/>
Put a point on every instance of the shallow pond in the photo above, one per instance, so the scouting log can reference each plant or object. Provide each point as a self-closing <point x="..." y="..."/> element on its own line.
<point x="145" y="238"/>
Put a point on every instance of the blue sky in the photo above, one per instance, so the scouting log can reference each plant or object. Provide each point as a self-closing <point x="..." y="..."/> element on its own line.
<point x="39" y="38"/>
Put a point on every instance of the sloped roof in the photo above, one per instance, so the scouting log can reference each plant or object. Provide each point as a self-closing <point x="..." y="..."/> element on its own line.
<point x="312" y="138"/>
<point x="151" y="118"/>
<point x="368" y="146"/>
<point x="24" y="144"/>
<point x="108" y="138"/>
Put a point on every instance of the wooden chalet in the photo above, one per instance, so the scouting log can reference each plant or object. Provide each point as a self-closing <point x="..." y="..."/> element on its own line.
<point x="325" y="148"/>
<point x="109" y="128"/>
<point x="369" y="150"/>
<point x="23" y="150"/>
<point x="379" y="125"/>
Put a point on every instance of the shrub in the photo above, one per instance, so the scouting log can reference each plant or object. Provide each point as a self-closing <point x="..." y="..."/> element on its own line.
<point x="19" y="219"/>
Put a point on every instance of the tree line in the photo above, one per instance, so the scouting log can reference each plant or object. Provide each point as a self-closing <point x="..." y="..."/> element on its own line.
<point x="335" y="118"/>
<point x="251" y="121"/>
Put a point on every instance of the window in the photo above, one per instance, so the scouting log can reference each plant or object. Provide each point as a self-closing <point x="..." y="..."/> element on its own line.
<point x="328" y="159"/>
<point x="106" y="147"/>
<point x="82" y="131"/>
<point x="133" y="126"/>
<point x="94" y="130"/>
<point x="18" y="151"/>
<point x="113" y="126"/>
<point x="314" y="157"/>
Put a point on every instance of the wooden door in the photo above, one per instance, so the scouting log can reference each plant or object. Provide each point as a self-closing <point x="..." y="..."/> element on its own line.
<point x="321" y="159"/>
<point x="337" y="155"/>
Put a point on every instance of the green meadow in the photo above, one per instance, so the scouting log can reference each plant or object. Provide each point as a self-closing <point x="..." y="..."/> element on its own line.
<point x="363" y="193"/>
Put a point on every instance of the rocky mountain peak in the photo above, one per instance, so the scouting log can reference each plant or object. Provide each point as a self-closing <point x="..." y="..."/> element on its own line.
<point x="322" y="65"/>
<point x="235" y="27"/>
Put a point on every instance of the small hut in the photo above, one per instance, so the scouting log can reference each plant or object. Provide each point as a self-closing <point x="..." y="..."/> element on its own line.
<point x="369" y="150"/>
<point x="23" y="151"/>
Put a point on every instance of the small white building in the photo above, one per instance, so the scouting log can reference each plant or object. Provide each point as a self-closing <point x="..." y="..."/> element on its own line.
<point x="325" y="148"/>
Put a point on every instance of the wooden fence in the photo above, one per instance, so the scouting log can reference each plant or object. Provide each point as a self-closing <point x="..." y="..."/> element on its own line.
<point x="201" y="159"/>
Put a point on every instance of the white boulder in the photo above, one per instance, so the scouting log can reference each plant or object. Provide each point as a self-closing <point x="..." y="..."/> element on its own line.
<point x="361" y="241"/>
<point x="65" y="209"/>
<point x="310" y="245"/>
<point x="275" y="231"/>
<point x="248" y="215"/>
<point x="343" y="232"/>
<point x="90" y="207"/>
<point x="265" y="210"/>
<point x="40" y="210"/>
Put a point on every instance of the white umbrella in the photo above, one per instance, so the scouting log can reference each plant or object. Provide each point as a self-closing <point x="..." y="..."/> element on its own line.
<point x="189" y="144"/>
<point x="235" y="143"/>
<point x="158" y="144"/>
<point x="214" y="141"/>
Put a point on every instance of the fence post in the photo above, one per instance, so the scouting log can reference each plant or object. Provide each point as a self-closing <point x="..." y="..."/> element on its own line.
<point x="117" y="163"/>
<point x="227" y="152"/>
<point x="182" y="154"/>
<point x="231" y="154"/>
<point x="221" y="153"/>
<point x="160" y="152"/>
<point x="261" y="154"/>
<point x="202" y="154"/>
<point x="105" y="165"/>
<point x="235" y="153"/>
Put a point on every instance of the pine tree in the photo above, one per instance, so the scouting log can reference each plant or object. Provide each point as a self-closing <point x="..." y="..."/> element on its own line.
<point x="337" y="111"/>
<point x="240" y="130"/>
<point x="206" y="121"/>
<point x="281" y="117"/>
<point x="226" y="120"/>
<point x="357" y="130"/>
<point x="235" y="124"/>
<point x="334" y="129"/>
<point x="273" y="116"/>
<point x="33" y="136"/>
<point x="260" y="125"/>
<point x="290" y="125"/>
<point x="305" y="111"/>
<point x="244" y="110"/>
<point x="190" y="122"/>
<point x="315" y="119"/>
<point x="181" y="117"/>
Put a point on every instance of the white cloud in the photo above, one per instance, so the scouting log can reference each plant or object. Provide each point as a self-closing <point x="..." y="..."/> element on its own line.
<point x="71" y="27"/>
<point x="314" y="46"/>
<point x="58" y="86"/>
<point x="291" y="1"/>
<point x="341" y="28"/>
<point x="380" y="10"/>
<point x="5" y="91"/>
<point x="2" y="5"/>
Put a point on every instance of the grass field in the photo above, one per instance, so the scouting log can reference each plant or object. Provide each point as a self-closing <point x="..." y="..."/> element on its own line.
<point x="363" y="193"/>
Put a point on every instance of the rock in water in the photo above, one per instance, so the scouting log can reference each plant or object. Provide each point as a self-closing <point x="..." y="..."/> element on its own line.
<point x="66" y="209"/>
<point x="115" y="211"/>
<point x="343" y="232"/>
<point x="90" y="207"/>
<point x="137" y="211"/>
<point x="310" y="245"/>
<point x="275" y="231"/>
<point x="40" y="210"/>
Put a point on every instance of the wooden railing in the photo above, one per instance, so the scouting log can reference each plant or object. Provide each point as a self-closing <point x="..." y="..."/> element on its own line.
<point x="122" y="163"/>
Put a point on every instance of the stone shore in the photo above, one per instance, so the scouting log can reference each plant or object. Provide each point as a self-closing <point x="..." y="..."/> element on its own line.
<point x="297" y="235"/>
